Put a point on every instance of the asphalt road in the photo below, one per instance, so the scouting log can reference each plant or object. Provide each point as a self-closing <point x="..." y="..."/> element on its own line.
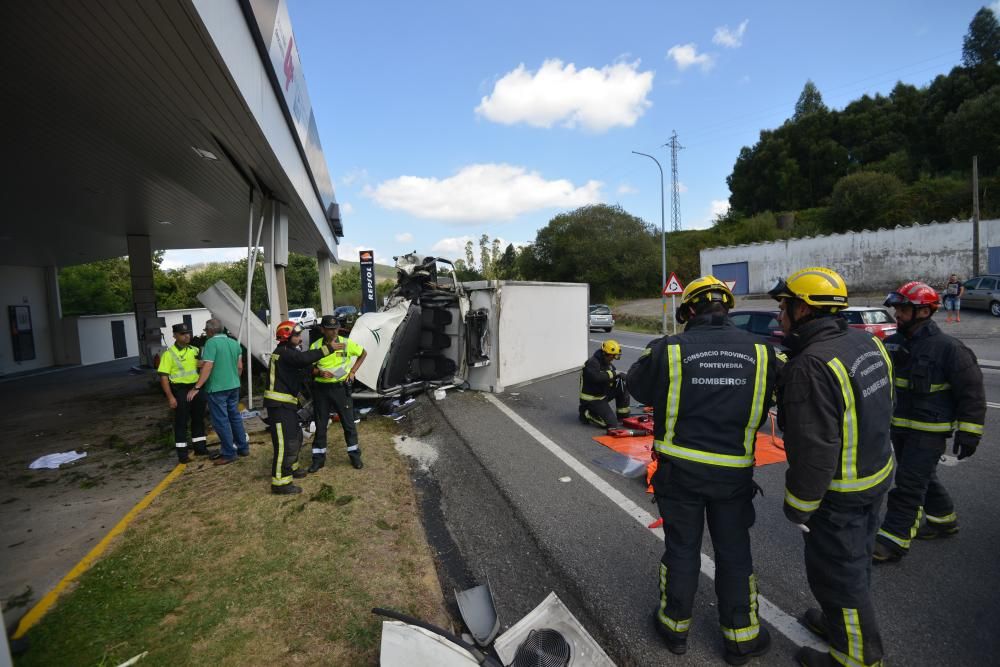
<point x="579" y="529"/>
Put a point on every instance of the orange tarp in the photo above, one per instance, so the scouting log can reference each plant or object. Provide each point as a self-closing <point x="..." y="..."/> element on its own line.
<point x="770" y="449"/>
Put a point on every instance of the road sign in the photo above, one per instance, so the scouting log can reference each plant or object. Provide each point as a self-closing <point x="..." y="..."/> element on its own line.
<point x="673" y="285"/>
<point x="731" y="284"/>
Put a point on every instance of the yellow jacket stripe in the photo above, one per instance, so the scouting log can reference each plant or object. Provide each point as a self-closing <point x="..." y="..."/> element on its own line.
<point x="757" y="406"/>
<point x="799" y="504"/>
<point x="276" y="395"/>
<point x="904" y="383"/>
<point x="849" y="448"/>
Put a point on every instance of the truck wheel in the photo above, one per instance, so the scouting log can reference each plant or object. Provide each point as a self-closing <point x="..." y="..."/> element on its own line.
<point x="995" y="308"/>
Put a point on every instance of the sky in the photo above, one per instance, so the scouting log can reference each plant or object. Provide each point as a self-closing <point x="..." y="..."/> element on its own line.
<point x="445" y="120"/>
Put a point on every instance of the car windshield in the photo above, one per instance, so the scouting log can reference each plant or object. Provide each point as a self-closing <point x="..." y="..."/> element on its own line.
<point x="294" y="313"/>
<point x="600" y="310"/>
<point x="853" y="316"/>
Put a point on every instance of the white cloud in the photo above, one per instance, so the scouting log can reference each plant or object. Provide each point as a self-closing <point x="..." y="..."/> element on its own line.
<point x="731" y="39"/>
<point x="626" y="189"/>
<point x="454" y="247"/>
<point x="686" y="55"/>
<point x="996" y="8"/>
<point x="595" y="99"/>
<point x="346" y="208"/>
<point x="481" y="192"/>
<point x="682" y="188"/>
<point x="357" y="175"/>
<point x="405" y="237"/>
<point x="175" y="259"/>
<point x="348" y="252"/>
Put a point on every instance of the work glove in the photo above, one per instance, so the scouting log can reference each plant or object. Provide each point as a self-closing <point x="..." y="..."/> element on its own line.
<point x="965" y="445"/>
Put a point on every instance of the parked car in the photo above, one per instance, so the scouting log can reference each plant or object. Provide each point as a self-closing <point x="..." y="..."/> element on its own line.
<point x="983" y="292"/>
<point x="763" y="323"/>
<point x="306" y="317"/>
<point x="872" y="319"/>
<point x="350" y="311"/>
<point x="601" y="317"/>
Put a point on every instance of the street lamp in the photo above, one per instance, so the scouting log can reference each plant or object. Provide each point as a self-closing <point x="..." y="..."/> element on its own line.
<point x="663" y="245"/>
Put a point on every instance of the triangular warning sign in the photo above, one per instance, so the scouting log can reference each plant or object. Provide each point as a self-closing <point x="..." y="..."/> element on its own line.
<point x="673" y="285"/>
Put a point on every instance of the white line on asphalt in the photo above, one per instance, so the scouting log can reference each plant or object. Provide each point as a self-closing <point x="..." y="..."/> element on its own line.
<point x="630" y="347"/>
<point x="782" y="622"/>
<point x="992" y="405"/>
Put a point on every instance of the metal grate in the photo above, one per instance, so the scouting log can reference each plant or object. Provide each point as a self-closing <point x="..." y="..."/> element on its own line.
<point x="542" y="648"/>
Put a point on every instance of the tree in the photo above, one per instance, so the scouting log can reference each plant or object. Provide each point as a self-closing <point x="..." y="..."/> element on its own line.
<point x="974" y="129"/>
<point x="506" y="266"/>
<point x="866" y="200"/>
<point x="96" y="288"/>
<point x="981" y="44"/>
<point x="810" y="101"/>
<point x="615" y="252"/>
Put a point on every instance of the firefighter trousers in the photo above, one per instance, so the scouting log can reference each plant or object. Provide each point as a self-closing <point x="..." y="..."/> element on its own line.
<point x="286" y="438"/>
<point x="600" y="413"/>
<point x="838" y="555"/>
<point x="335" y="395"/>
<point x="916" y="491"/>
<point x="684" y="501"/>
<point x="193" y="412"/>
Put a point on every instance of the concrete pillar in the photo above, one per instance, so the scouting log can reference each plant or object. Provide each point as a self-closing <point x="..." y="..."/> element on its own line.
<point x="54" y="304"/>
<point x="275" y="241"/>
<point x="147" y="322"/>
<point x="325" y="283"/>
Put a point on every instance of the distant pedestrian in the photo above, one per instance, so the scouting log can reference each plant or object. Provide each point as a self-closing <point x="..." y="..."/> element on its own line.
<point x="178" y="371"/>
<point x="953" y="292"/>
<point x="220" y="378"/>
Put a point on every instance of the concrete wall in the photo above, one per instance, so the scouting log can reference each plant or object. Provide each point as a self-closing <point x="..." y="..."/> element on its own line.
<point x="94" y="332"/>
<point x="869" y="260"/>
<point x="24" y="286"/>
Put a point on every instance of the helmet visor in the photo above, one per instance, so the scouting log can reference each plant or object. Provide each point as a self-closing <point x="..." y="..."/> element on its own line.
<point x="780" y="290"/>
<point x="893" y="299"/>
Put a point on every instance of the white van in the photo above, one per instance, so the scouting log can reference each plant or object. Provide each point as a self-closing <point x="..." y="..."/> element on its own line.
<point x="303" y="316"/>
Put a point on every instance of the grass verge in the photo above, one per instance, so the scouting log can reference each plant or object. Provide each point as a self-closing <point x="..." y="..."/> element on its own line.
<point x="219" y="572"/>
<point x="637" y="323"/>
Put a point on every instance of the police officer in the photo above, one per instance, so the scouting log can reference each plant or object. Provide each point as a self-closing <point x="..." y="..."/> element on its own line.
<point x="939" y="389"/>
<point x="600" y="382"/>
<point x="710" y="388"/>
<point x="178" y="371"/>
<point x="286" y="373"/>
<point x="834" y="406"/>
<point x="332" y="379"/>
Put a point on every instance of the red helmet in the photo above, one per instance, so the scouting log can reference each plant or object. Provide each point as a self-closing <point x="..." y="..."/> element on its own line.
<point x="287" y="329"/>
<point x="916" y="294"/>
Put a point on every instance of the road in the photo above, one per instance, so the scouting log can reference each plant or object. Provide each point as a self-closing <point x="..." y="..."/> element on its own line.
<point x="588" y="536"/>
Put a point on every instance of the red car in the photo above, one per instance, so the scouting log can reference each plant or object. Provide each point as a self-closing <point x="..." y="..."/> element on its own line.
<point x="872" y="319"/>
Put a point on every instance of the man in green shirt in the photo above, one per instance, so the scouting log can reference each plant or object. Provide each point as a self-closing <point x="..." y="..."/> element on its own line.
<point x="333" y="376"/>
<point x="220" y="378"/>
<point x="178" y="371"/>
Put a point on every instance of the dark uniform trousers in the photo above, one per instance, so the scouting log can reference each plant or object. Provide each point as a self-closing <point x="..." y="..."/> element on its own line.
<point x="600" y="412"/>
<point x="286" y="438"/>
<point x="838" y="557"/>
<point x="335" y="395"/>
<point x="684" y="501"/>
<point x="194" y="412"/>
<point x="917" y="489"/>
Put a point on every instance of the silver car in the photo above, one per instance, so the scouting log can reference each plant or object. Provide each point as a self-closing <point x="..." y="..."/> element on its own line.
<point x="983" y="292"/>
<point x="601" y="317"/>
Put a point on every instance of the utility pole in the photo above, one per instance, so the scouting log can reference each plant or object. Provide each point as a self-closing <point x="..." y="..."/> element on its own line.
<point x="663" y="246"/>
<point x="675" y="192"/>
<point x="975" y="215"/>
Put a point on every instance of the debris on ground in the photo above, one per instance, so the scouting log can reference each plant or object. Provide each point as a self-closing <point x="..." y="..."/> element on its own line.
<point x="53" y="461"/>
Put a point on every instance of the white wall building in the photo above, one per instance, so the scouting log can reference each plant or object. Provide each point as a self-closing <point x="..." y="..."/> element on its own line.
<point x="868" y="260"/>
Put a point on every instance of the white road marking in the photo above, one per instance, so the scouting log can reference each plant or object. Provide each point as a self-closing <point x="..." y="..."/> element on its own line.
<point x="990" y="404"/>
<point x="781" y="621"/>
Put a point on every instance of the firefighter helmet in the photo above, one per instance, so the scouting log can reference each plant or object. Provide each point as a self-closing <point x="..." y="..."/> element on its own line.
<point x="612" y="348"/>
<point x="287" y="329"/>
<point x="914" y="293"/>
<point x="703" y="290"/>
<point x="817" y="286"/>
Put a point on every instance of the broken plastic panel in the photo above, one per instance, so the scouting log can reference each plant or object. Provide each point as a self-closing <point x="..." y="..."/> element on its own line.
<point x="620" y="464"/>
<point x="479" y="613"/>
<point x="552" y="614"/>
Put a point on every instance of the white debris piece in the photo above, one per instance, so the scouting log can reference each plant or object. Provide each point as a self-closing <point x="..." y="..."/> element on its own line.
<point x="53" y="461"/>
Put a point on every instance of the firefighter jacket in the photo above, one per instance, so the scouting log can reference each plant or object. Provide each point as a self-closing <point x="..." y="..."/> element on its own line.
<point x="939" y="386"/>
<point x="286" y="374"/>
<point x="710" y="388"/>
<point x="597" y="379"/>
<point x="835" y="399"/>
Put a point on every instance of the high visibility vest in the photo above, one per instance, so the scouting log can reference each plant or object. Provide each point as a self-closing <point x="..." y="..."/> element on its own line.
<point x="339" y="363"/>
<point x="183" y="365"/>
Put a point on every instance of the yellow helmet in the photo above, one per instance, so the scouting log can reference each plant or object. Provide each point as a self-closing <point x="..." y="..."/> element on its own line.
<point x="818" y="286"/>
<point x="704" y="289"/>
<point x="612" y="348"/>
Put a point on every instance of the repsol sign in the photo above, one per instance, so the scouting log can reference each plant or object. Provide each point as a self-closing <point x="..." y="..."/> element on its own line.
<point x="366" y="258"/>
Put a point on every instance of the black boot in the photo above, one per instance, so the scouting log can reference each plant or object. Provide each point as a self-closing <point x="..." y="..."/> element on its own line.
<point x="810" y="657"/>
<point x="319" y="460"/>
<point x="814" y="620"/>
<point x="739" y="653"/>
<point x="285" y="490"/>
<point x="933" y="531"/>
<point x="677" y="642"/>
<point x="886" y="554"/>
<point x="355" y="457"/>
<point x="299" y="474"/>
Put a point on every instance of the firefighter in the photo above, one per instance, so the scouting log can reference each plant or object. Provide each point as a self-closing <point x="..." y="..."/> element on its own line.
<point x="600" y="382"/>
<point x="834" y="405"/>
<point x="178" y="371"/>
<point x="286" y="373"/>
<point x="939" y="389"/>
<point x="710" y="388"/>
<point x="333" y="377"/>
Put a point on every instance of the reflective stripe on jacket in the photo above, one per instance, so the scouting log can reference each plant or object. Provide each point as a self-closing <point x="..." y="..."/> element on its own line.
<point x="710" y="388"/>
<point x="938" y="381"/>
<point x="286" y="374"/>
<point x="339" y="363"/>
<point x="180" y="366"/>
<point x="835" y="400"/>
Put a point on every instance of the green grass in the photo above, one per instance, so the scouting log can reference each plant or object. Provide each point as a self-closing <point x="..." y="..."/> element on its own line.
<point x="217" y="571"/>
<point x="638" y="323"/>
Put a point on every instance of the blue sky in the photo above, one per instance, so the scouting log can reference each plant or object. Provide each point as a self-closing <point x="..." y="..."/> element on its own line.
<point x="441" y="121"/>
